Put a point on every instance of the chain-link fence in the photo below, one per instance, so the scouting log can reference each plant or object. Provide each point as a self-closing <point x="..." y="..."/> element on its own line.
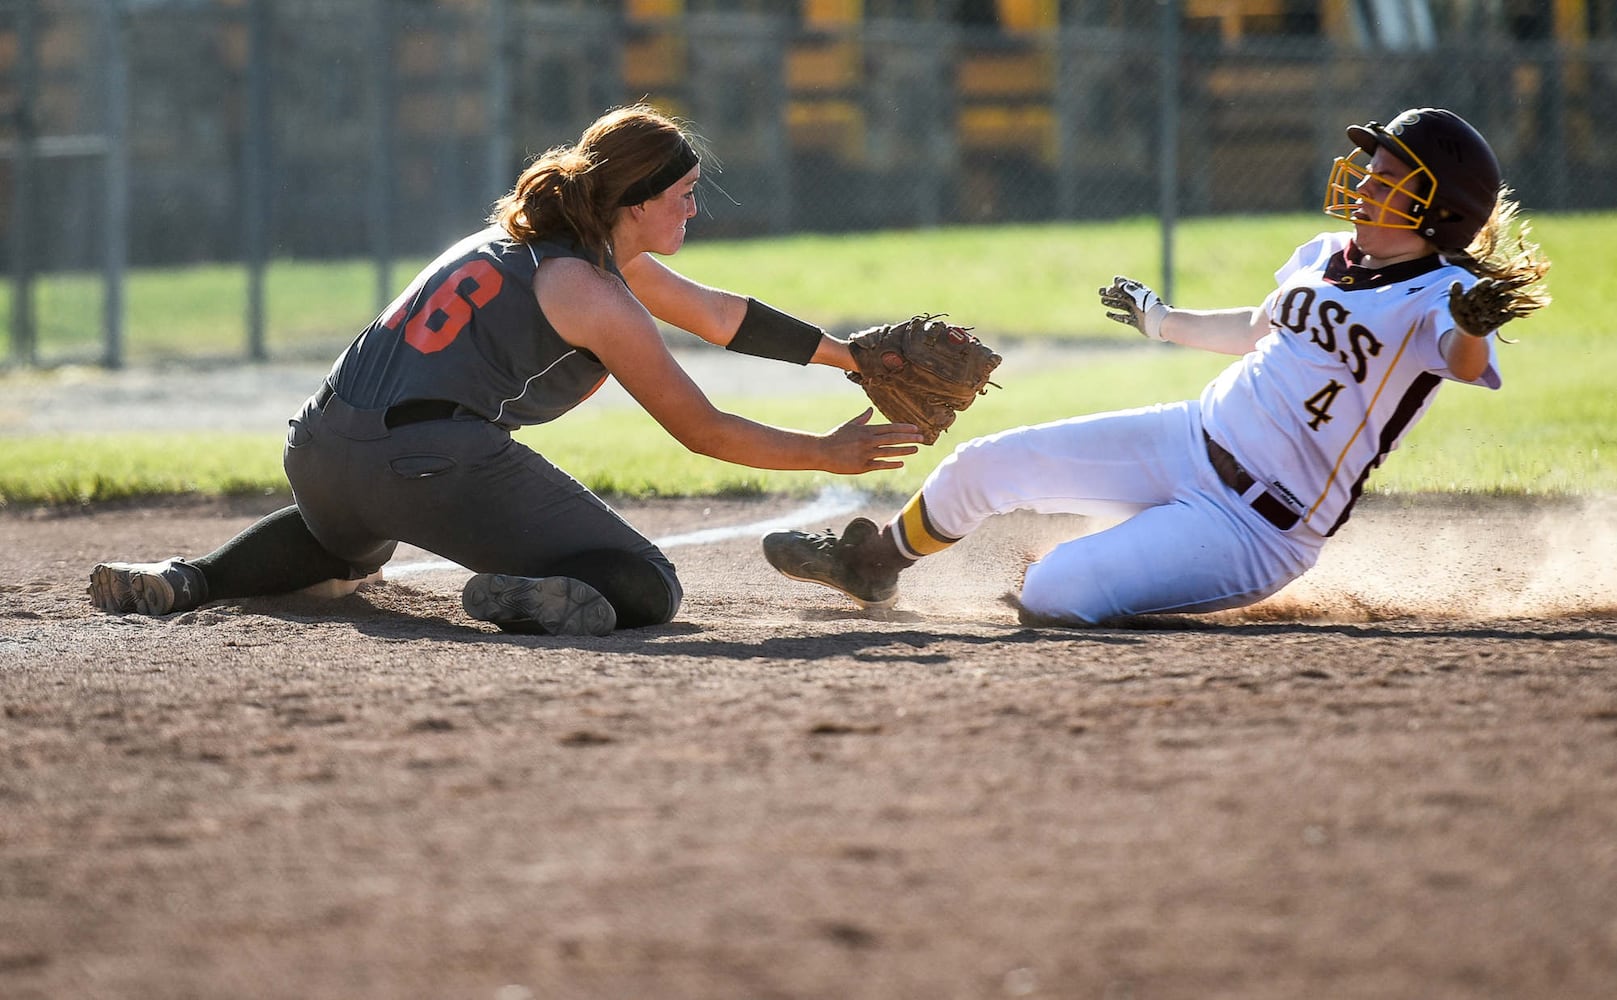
<point x="144" y="133"/>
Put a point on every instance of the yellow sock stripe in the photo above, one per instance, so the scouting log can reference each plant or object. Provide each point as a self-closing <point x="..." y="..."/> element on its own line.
<point x="914" y="532"/>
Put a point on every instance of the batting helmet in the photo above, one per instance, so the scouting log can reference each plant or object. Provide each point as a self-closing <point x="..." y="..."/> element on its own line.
<point x="1453" y="180"/>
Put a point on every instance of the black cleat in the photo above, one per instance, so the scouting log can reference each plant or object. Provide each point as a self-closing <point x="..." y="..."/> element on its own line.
<point x="855" y="564"/>
<point x="159" y="588"/>
<point x="550" y="605"/>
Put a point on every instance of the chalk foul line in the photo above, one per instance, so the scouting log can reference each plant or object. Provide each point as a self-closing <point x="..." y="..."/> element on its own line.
<point x="831" y="503"/>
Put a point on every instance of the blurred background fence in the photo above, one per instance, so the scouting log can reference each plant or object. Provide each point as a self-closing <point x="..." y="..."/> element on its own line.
<point x="150" y="133"/>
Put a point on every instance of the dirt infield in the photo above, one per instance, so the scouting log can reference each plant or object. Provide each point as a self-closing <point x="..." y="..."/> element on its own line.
<point x="1398" y="778"/>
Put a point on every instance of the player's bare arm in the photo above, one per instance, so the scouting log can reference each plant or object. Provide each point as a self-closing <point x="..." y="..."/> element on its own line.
<point x="1465" y="353"/>
<point x="1222" y="331"/>
<point x="591" y="310"/>
<point x="710" y="313"/>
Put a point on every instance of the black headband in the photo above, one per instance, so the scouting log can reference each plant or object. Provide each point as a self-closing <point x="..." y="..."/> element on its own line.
<point x="661" y="179"/>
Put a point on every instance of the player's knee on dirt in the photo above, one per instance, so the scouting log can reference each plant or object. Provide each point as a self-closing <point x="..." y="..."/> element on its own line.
<point x="1050" y="597"/>
<point x="642" y="591"/>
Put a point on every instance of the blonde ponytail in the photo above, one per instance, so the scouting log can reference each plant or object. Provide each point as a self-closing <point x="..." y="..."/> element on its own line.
<point x="1503" y="251"/>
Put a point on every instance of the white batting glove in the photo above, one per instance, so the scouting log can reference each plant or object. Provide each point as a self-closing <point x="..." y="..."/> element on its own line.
<point x="1135" y="305"/>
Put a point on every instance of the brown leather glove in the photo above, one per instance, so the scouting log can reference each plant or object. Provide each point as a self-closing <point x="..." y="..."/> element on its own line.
<point x="922" y="371"/>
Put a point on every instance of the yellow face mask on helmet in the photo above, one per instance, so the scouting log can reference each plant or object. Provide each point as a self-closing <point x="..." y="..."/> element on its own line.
<point x="1405" y="205"/>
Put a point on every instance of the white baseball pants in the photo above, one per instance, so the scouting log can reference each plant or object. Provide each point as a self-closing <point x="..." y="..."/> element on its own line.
<point x="1188" y="543"/>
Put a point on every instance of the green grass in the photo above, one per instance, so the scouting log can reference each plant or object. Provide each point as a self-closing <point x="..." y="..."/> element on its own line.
<point x="1551" y="430"/>
<point x="1026" y="281"/>
<point x="84" y="468"/>
<point x="313" y="308"/>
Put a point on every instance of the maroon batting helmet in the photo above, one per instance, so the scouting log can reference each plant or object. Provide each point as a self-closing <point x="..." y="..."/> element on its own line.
<point x="1453" y="181"/>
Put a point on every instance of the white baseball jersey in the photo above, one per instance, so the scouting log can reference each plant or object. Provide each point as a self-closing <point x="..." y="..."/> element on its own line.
<point x="1350" y="364"/>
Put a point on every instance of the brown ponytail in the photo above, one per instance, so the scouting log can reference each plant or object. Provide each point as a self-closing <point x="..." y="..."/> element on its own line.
<point x="575" y="192"/>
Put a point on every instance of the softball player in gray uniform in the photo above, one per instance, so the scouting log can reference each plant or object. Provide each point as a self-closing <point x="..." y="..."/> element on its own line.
<point x="409" y="438"/>
<point x="1227" y="498"/>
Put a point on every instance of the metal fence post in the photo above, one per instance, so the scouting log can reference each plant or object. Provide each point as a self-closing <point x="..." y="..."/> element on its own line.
<point x="115" y="234"/>
<point x="255" y="173"/>
<point x="1557" y="183"/>
<point x="24" y="164"/>
<point x="498" y="151"/>
<point x="384" y="145"/>
<point x="1168" y="155"/>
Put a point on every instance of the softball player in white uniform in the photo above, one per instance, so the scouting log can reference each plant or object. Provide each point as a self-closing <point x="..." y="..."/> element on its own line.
<point x="1227" y="498"/>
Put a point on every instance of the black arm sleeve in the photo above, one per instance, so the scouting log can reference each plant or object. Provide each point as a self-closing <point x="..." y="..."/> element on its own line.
<point x="766" y="332"/>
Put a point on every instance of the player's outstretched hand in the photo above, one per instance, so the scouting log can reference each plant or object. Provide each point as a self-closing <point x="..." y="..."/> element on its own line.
<point x="860" y="446"/>
<point x="1133" y="303"/>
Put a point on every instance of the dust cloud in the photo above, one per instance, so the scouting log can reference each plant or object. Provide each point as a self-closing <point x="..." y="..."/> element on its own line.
<point x="1513" y="559"/>
<point x="1439" y="559"/>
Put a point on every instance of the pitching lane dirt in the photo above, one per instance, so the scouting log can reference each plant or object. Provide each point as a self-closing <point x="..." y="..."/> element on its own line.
<point x="1398" y="778"/>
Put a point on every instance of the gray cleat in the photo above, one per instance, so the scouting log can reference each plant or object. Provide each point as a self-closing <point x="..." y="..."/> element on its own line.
<point x="551" y="605"/>
<point x="857" y="564"/>
<point x="158" y="588"/>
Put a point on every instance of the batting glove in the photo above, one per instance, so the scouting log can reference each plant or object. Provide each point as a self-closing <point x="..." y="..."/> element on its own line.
<point x="1135" y="305"/>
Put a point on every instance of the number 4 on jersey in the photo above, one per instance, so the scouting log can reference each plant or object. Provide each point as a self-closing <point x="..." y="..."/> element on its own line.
<point x="1319" y="404"/>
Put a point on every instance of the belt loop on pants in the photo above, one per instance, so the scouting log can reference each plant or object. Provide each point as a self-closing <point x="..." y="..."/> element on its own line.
<point x="1238" y="479"/>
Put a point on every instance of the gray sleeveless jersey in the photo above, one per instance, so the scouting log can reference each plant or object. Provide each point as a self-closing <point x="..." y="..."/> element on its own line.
<point x="469" y="330"/>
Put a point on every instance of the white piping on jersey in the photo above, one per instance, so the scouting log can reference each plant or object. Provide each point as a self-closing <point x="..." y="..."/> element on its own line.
<point x="530" y="381"/>
<point x="537" y="375"/>
<point x="1369" y="408"/>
